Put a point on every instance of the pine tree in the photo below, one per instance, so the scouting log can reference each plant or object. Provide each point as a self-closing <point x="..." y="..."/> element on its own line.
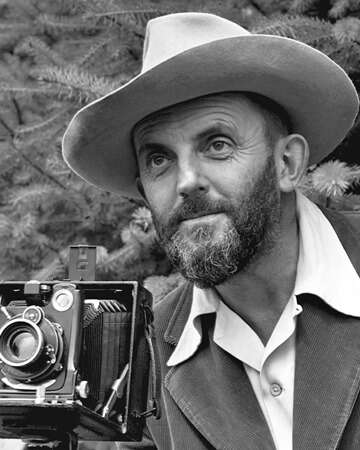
<point x="56" y="57"/>
<point x="331" y="26"/>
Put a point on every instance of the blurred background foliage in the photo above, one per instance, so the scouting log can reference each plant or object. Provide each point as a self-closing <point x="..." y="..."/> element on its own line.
<point x="58" y="55"/>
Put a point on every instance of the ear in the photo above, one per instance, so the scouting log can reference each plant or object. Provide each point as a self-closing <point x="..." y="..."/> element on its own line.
<point x="140" y="188"/>
<point x="291" y="155"/>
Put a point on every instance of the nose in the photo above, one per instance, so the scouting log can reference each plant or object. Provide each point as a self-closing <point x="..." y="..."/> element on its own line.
<point x="191" y="179"/>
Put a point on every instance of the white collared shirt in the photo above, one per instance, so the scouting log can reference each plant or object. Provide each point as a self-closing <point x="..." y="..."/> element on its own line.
<point x="323" y="269"/>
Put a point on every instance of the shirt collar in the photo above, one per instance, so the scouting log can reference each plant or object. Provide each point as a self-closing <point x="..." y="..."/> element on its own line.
<point x="323" y="269"/>
<point x="230" y="330"/>
<point x="204" y="302"/>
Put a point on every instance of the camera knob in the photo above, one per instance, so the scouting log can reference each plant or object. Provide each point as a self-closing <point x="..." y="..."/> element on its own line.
<point x="62" y="300"/>
<point x="33" y="313"/>
<point x="83" y="389"/>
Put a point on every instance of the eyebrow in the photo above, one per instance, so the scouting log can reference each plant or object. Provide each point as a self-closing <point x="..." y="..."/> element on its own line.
<point x="151" y="146"/>
<point x="215" y="129"/>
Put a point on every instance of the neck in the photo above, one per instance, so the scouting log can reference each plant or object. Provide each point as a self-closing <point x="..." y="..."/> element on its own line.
<point x="260" y="292"/>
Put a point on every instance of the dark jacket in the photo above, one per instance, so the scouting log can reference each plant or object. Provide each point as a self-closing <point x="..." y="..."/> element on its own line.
<point x="208" y="401"/>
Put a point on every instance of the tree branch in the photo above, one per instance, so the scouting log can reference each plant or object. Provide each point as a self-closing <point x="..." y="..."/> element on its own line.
<point x="25" y="157"/>
<point x="7" y="128"/>
<point x="36" y="167"/>
<point x="18" y="111"/>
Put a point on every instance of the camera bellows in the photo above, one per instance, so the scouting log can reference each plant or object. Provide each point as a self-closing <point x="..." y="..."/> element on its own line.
<point x="106" y="335"/>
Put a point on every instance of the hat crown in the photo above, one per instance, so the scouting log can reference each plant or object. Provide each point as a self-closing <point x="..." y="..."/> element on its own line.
<point x="169" y="35"/>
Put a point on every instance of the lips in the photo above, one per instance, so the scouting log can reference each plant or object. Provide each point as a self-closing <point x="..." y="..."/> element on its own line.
<point x="193" y="207"/>
<point x="197" y="216"/>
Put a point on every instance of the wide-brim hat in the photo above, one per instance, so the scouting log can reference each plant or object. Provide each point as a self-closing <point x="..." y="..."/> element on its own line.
<point x="189" y="55"/>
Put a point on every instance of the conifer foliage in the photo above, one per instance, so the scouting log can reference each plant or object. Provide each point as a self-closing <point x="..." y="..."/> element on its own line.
<point x="58" y="55"/>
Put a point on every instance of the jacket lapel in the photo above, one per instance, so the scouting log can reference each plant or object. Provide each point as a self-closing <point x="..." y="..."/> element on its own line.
<point x="327" y="373"/>
<point x="213" y="391"/>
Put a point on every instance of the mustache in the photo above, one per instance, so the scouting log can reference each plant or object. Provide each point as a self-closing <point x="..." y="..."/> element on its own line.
<point x="192" y="207"/>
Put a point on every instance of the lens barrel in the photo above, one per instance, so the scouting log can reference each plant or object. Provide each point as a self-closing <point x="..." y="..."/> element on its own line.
<point x="31" y="347"/>
<point x="21" y="342"/>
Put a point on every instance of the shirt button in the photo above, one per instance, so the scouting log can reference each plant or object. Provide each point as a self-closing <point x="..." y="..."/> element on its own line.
<point x="275" y="389"/>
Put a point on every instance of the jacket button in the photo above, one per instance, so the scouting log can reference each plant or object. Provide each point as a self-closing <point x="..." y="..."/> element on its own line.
<point x="275" y="389"/>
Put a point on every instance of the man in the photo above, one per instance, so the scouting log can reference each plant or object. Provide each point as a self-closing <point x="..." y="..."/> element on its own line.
<point x="260" y="347"/>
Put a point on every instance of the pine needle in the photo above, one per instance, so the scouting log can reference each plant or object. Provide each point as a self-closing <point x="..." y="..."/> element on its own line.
<point x="341" y="7"/>
<point x="301" y="6"/>
<point x="55" y="269"/>
<point x="14" y="27"/>
<point x="95" y="6"/>
<point x="57" y="25"/>
<point x="89" y="85"/>
<point x="19" y="90"/>
<point x="306" y="29"/>
<point x="34" y="46"/>
<point x="8" y="159"/>
<point x="5" y="227"/>
<point x="347" y="30"/>
<point x="135" y="19"/>
<point x="61" y="92"/>
<point x="118" y="259"/>
<point x="94" y="51"/>
<point x="40" y="131"/>
<point x="33" y="196"/>
<point x="24" y="228"/>
<point x="277" y="29"/>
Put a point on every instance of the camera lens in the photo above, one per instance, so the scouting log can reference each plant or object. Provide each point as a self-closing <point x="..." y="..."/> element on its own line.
<point x="23" y="345"/>
<point x="31" y="347"/>
<point x="21" y="342"/>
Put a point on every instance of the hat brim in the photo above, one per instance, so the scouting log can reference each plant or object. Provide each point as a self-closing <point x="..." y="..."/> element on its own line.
<point x="317" y="94"/>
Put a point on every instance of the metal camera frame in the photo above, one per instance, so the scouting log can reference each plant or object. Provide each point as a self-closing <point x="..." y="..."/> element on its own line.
<point x="60" y="425"/>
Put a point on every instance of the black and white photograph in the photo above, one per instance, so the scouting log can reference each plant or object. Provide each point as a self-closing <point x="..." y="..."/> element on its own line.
<point x="179" y="225"/>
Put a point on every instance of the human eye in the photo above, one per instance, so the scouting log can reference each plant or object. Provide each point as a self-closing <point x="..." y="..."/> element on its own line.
<point x="220" y="147"/>
<point x="157" y="162"/>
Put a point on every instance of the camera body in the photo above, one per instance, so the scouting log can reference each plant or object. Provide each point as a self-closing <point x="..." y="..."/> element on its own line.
<point x="74" y="358"/>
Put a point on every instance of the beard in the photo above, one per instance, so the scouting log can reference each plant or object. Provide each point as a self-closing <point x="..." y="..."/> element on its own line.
<point x="207" y="256"/>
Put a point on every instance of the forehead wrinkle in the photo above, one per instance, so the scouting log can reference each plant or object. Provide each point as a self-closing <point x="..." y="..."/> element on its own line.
<point x="220" y="104"/>
<point x="220" y="125"/>
<point x="147" y="125"/>
<point x="206" y="120"/>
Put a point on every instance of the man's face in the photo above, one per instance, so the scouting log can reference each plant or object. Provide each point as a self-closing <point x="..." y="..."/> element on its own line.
<point x="210" y="182"/>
